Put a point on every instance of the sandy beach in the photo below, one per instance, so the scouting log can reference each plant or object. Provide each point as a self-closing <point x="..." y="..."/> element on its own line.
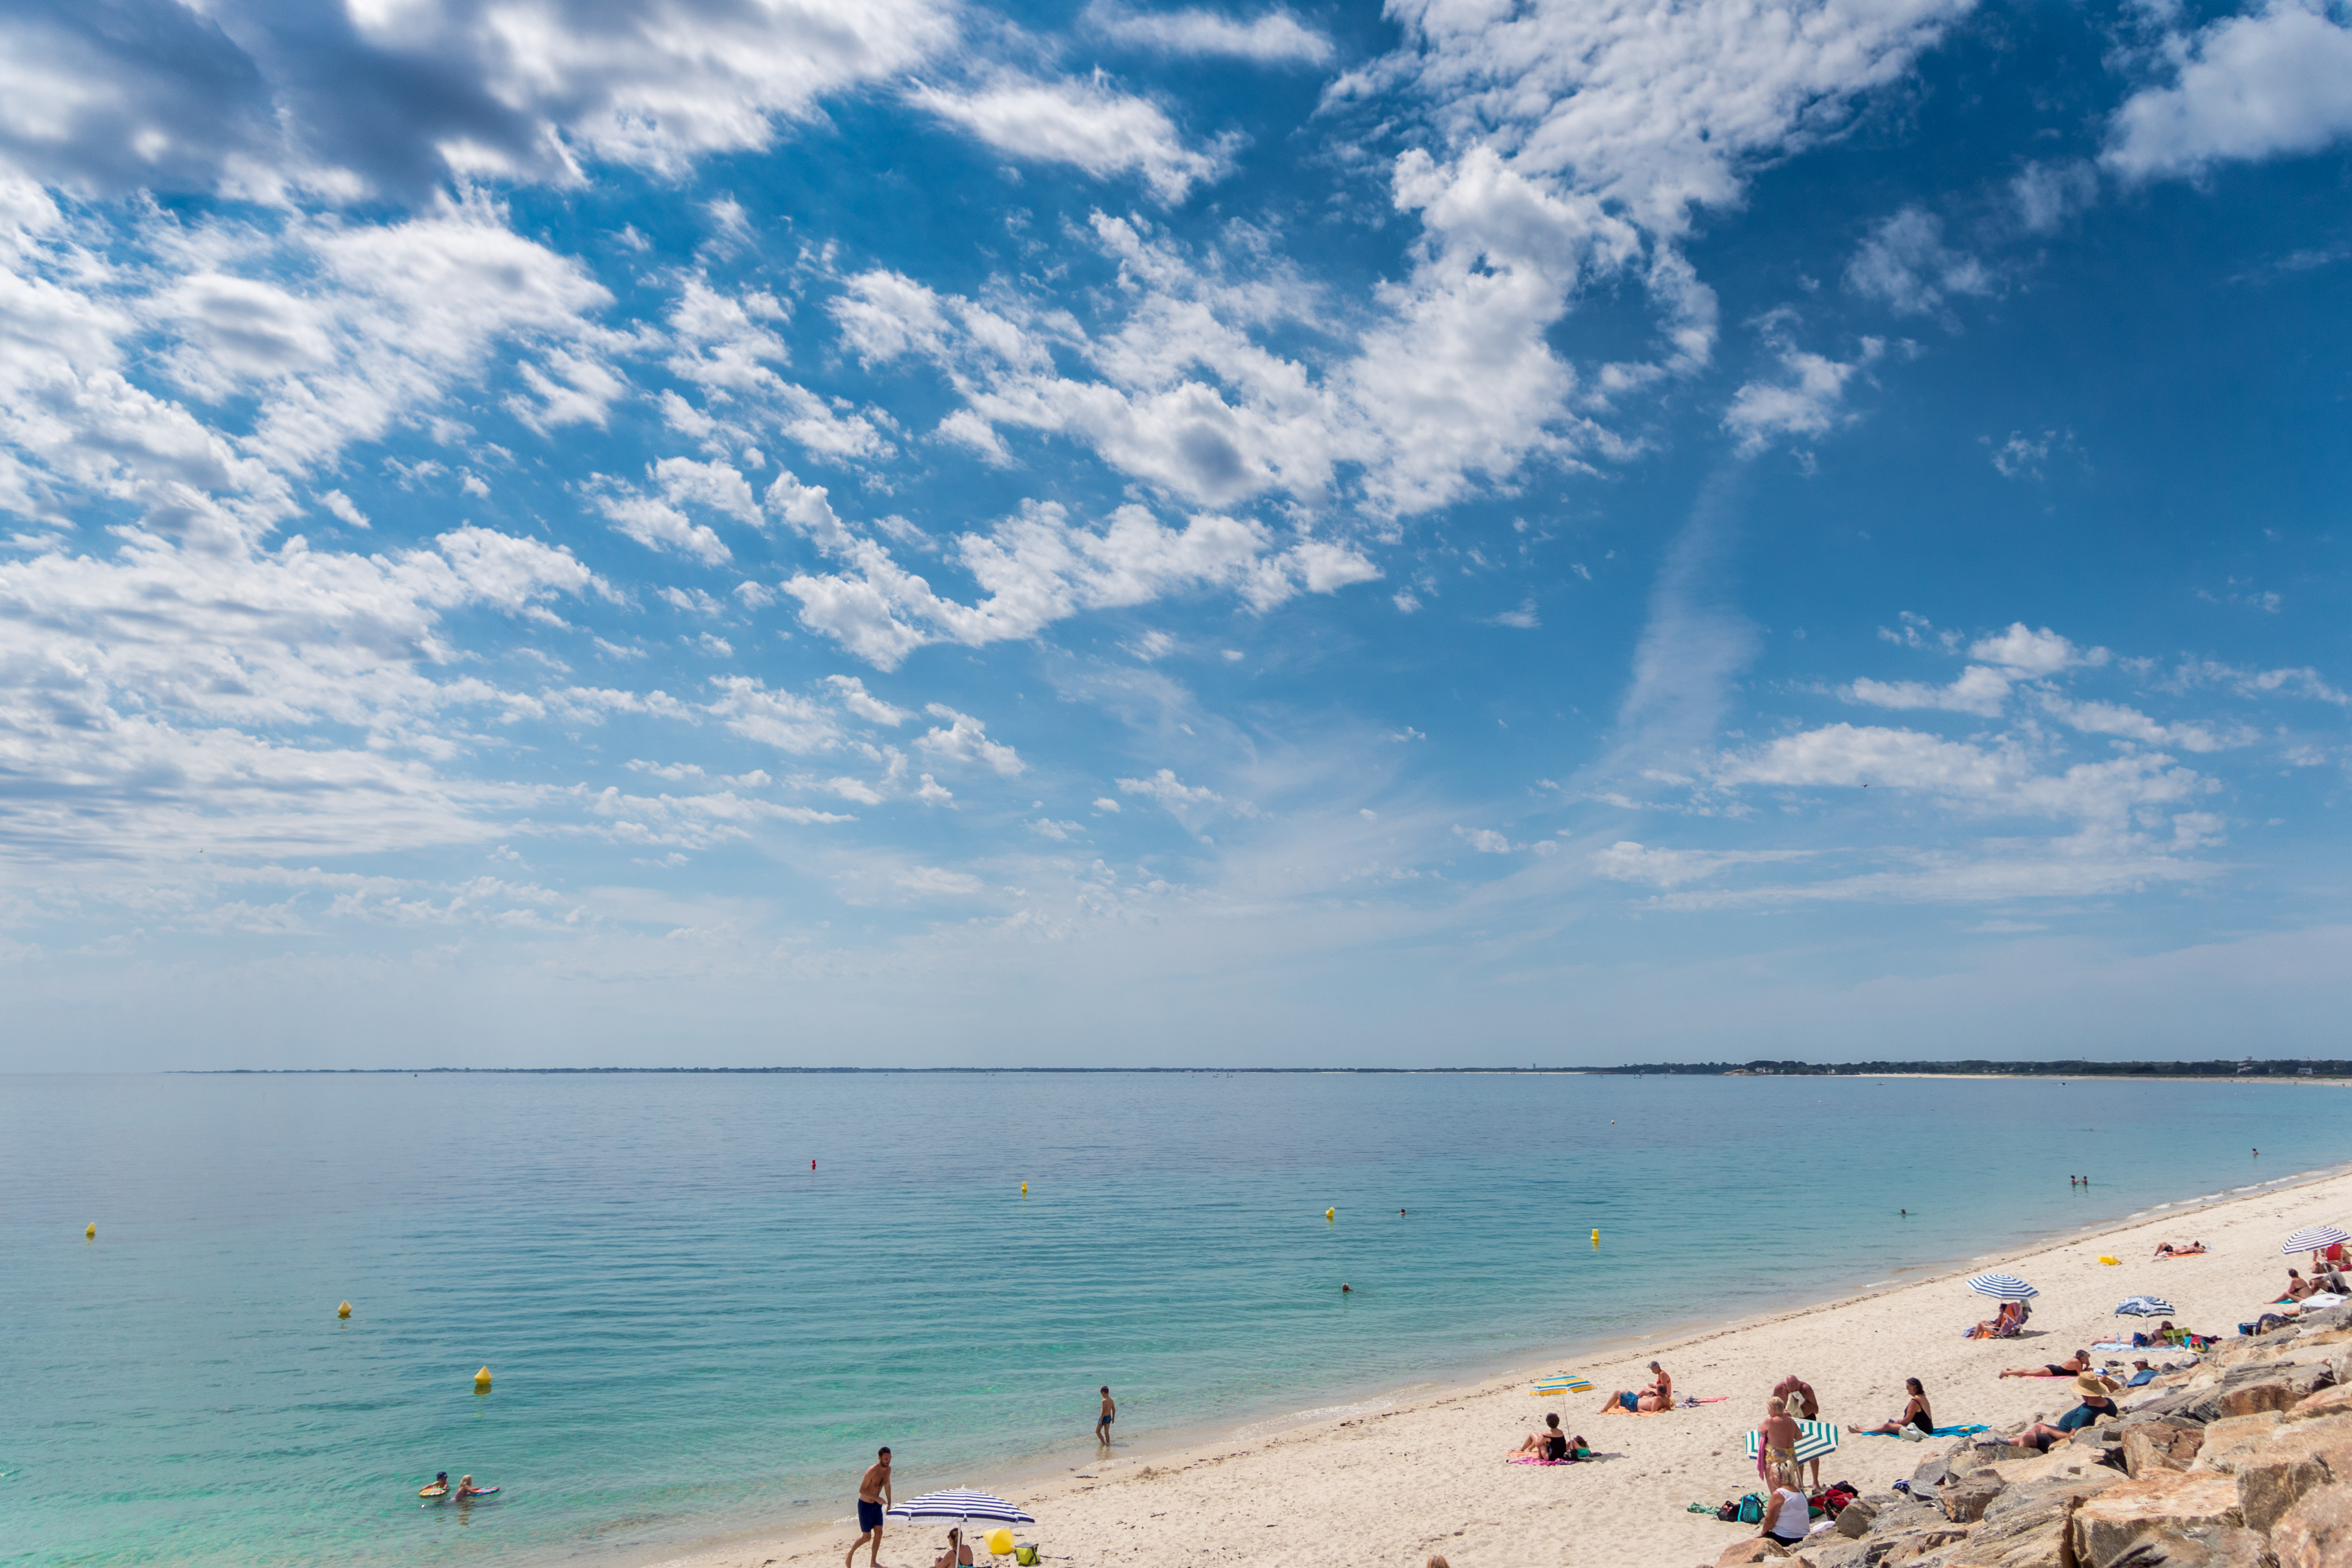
<point x="1392" y="1484"/>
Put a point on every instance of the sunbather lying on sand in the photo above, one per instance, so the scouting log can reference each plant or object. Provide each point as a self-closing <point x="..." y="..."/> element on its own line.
<point x="2166" y="1250"/>
<point x="1915" y="1414"/>
<point x="1625" y="1401"/>
<point x="2072" y="1366"/>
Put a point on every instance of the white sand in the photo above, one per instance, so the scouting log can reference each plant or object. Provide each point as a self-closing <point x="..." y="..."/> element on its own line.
<point x="1391" y="1486"/>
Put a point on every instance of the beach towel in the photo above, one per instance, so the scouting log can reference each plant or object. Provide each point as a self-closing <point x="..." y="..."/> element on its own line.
<point x="1814" y="1438"/>
<point x="1531" y="1459"/>
<point x="1939" y="1432"/>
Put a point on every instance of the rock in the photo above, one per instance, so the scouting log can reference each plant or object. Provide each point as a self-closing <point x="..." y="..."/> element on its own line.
<point x="2106" y="1527"/>
<point x="1832" y="1551"/>
<point x="2212" y="1546"/>
<point x="2317" y="1531"/>
<point x="2160" y="1444"/>
<point x="1855" y="1519"/>
<point x="2334" y="1400"/>
<point x="1966" y="1499"/>
<point x="2229" y="1441"/>
<point x="2300" y="1460"/>
<point x="1917" y="1546"/>
<point x="2251" y="1391"/>
<point x="1932" y="1473"/>
<point x="2180" y="1405"/>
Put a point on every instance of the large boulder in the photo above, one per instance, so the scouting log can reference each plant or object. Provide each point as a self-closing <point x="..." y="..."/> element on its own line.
<point x="2298" y="1460"/>
<point x="2106" y="1527"/>
<point x="2316" y="1532"/>
<point x="2233" y="1438"/>
<point x="2254" y="1389"/>
<point x="2160" y="1446"/>
<point x="1833" y="1551"/>
<point x="1966" y="1498"/>
<point x="2208" y="1546"/>
<point x="2334" y="1400"/>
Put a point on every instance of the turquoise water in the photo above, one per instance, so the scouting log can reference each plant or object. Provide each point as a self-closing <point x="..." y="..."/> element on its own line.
<point x="691" y="1333"/>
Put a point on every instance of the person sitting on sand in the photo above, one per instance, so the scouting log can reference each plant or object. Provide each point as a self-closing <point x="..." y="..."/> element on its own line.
<point x="2008" y="1320"/>
<point x="1663" y="1386"/>
<point x="2094" y="1390"/>
<point x="2072" y="1366"/>
<point x="1915" y="1414"/>
<point x="1551" y="1443"/>
<point x="957" y="1555"/>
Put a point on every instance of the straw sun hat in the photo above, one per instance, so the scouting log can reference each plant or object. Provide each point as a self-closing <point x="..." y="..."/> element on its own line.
<point x="2090" y="1386"/>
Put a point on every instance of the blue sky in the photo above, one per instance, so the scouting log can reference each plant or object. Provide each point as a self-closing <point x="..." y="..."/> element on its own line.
<point x="909" y="531"/>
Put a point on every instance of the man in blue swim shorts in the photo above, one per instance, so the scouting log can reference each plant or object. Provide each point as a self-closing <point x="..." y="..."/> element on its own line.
<point x="873" y="1494"/>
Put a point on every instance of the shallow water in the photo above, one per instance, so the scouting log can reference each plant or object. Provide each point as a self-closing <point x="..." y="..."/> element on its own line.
<point x="690" y="1331"/>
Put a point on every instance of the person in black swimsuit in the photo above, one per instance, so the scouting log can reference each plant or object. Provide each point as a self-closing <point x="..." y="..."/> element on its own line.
<point x="1915" y="1414"/>
<point x="1551" y="1443"/>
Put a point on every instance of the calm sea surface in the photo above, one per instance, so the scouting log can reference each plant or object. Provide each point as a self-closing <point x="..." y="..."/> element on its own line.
<point x="691" y="1333"/>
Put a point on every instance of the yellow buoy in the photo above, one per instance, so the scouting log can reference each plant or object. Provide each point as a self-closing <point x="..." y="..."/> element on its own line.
<point x="1025" y="1189"/>
<point x="1330" y="1214"/>
<point x="482" y="1381"/>
<point x="89" y="1231"/>
<point x="1596" y="1238"/>
<point x="344" y="1310"/>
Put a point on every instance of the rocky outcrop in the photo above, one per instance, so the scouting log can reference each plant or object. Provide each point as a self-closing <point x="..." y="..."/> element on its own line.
<point x="2244" y="1465"/>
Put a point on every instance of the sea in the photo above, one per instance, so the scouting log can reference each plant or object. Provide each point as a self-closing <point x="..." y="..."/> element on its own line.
<point x="705" y="1299"/>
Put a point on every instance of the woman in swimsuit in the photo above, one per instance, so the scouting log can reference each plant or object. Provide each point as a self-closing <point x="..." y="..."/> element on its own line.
<point x="1549" y="1443"/>
<point x="2072" y="1368"/>
<point x="957" y="1555"/>
<point x="1915" y="1414"/>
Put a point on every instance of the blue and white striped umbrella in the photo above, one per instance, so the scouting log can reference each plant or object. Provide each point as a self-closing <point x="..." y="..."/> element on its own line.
<point x="959" y="1505"/>
<point x="2312" y="1238"/>
<point x="2144" y="1307"/>
<point x="1814" y="1438"/>
<point x="2001" y="1287"/>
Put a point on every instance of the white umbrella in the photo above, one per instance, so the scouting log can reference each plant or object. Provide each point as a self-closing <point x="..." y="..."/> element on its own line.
<point x="2001" y="1287"/>
<point x="2314" y="1238"/>
<point x="959" y="1505"/>
<point x="2145" y="1307"/>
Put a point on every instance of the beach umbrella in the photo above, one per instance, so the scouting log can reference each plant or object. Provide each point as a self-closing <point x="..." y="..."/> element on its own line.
<point x="2001" y="1287"/>
<point x="2144" y="1307"/>
<point x="1566" y="1382"/>
<point x="959" y="1505"/>
<point x="2313" y="1238"/>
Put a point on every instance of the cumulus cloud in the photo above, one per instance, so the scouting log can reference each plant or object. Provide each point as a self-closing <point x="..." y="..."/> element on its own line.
<point x="2273" y="81"/>
<point x="262" y="96"/>
<point x="1080" y="122"/>
<point x="1805" y="401"/>
<point x="1978" y="689"/>
<point x="1271" y="37"/>
<point x="965" y="740"/>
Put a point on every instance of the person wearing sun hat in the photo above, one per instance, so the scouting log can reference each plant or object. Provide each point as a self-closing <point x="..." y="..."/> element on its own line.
<point x="2095" y="1391"/>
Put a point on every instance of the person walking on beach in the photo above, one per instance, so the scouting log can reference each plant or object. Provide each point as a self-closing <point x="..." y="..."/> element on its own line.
<point x="873" y="1495"/>
<point x="1109" y="1414"/>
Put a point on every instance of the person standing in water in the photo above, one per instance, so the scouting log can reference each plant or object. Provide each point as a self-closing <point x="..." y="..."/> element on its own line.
<point x="1109" y="1413"/>
<point x="873" y="1493"/>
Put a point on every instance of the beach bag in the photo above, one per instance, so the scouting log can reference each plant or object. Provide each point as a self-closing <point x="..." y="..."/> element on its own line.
<point x="1025" y="1555"/>
<point x="1751" y="1510"/>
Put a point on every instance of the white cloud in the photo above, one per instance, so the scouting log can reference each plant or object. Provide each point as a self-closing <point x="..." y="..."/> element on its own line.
<point x="1524" y="618"/>
<point x="858" y="701"/>
<point x="1083" y="123"/>
<point x="1806" y="403"/>
<point x="2276" y="79"/>
<point x="2115" y="719"/>
<point x="1484" y="840"/>
<point x="1627" y="861"/>
<point x="1978" y="691"/>
<point x="519" y="89"/>
<point x="1905" y="264"/>
<point x="2047" y="193"/>
<point x="1168" y="790"/>
<point x="344" y="507"/>
<point x="1271" y="37"/>
<point x="965" y="740"/>
<point x="2029" y="652"/>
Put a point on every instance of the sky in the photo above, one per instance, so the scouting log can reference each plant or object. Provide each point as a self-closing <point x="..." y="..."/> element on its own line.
<point x="911" y="532"/>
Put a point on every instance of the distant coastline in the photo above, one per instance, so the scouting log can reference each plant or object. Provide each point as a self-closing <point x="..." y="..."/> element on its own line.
<point x="2305" y="1068"/>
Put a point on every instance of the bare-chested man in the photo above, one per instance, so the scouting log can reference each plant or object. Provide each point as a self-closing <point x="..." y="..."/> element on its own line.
<point x="873" y="1496"/>
<point x="1109" y="1413"/>
<point x="1776" y="1450"/>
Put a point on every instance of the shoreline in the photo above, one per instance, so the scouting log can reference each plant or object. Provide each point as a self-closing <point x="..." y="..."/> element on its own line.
<point x="1263" y="1454"/>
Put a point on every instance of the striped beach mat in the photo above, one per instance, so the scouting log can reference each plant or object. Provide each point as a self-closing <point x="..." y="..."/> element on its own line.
<point x="1814" y="1438"/>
